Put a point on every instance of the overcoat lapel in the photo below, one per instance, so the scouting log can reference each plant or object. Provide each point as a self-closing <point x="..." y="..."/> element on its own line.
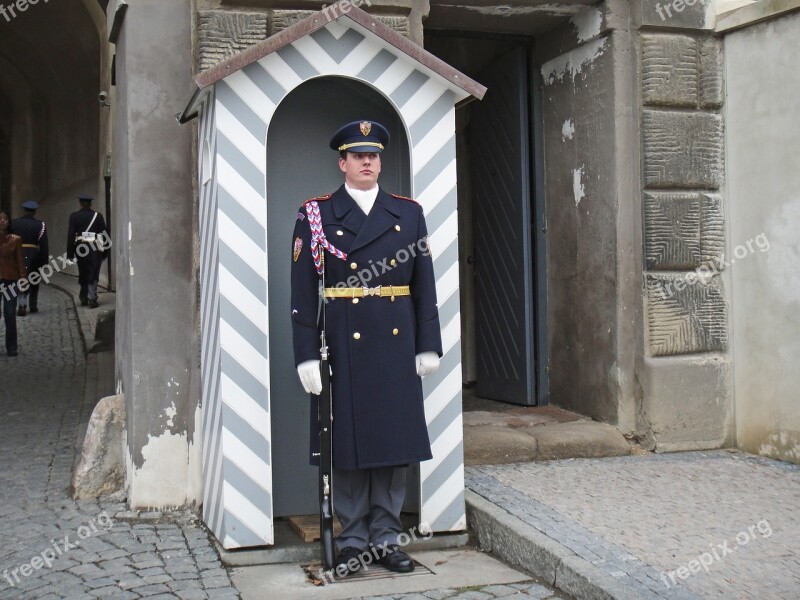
<point x="346" y="211"/>
<point x="380" y="219"/>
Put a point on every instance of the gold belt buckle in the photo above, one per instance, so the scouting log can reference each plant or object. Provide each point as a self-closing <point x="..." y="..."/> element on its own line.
<point x="368" y="291"/>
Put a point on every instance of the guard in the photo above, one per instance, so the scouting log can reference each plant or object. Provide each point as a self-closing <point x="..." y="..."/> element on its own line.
<point x="87" y="238"/>
<point x="35" y="252"/>
<point x="383" y="334"/>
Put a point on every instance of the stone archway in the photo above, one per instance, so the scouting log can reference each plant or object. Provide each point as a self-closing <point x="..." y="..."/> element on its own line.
<point x="52" y="66"/>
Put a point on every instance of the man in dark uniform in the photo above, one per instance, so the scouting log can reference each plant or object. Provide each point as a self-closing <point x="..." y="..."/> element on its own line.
<point x="383" y="334"/>
<point x="87" y="238"/>
<point x="35" y="251"/>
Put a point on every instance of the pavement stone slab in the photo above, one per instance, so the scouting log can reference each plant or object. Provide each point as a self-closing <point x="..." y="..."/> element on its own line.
<point x="680" y="526"/>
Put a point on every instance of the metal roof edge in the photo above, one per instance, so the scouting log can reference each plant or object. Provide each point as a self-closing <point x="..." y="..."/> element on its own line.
<point x="191" y="111"/>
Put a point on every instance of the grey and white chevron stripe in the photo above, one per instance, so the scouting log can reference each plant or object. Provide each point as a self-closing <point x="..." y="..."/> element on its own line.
<point x="237" y="455"/>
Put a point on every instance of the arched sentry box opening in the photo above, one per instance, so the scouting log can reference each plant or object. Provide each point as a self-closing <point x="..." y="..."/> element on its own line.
<point x="267" y="114"/>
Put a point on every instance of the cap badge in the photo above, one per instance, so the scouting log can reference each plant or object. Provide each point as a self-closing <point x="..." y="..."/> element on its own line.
<point x="365" y="127"/>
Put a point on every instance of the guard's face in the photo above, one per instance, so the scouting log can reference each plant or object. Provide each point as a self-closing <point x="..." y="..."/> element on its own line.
<point x="3" y="222"/>
<point x="361" y="169"/>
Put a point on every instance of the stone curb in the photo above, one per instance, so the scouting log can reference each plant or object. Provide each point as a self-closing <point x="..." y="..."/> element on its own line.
<point x="521" y="545"/>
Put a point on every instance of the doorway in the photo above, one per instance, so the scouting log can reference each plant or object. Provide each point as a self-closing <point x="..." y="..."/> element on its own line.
<point x="501" y="217"/>
<point x="300" y="166"/>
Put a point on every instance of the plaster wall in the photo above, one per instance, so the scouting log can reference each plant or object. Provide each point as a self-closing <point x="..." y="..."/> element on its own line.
<point x="592" y="236"/>
<point x="763" y="142"/>
<point x="153" y="187"/>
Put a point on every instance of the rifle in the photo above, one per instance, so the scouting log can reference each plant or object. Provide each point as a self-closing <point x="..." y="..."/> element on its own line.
<point x="325" y="417"/>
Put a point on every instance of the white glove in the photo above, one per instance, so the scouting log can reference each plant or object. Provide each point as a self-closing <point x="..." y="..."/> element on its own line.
<point x="310" y="376"/>
<point x="427" y="363"/>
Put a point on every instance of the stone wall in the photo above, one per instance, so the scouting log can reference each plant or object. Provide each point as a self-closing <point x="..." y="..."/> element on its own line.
<point x="226" y="28"/>
<point x="592" y="279"/>
<point x="685" y="372"/>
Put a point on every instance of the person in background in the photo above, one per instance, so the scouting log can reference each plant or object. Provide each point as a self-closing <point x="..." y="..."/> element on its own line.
<point x="35" y="251"/>
<point x="86" y="238"/>
<point x="12" y="269"/>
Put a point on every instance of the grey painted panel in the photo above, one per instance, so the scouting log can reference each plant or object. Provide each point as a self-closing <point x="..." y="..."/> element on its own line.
<point x="443" y="420"/>
<point x="242" y="377"/>
<point x="443" y="210"/>
<point x="241" y="164"/>
<point x="297" y="62"/>
<point x="271" y="88"/>
<point x="409" y="87"/>
<point x="237" y="478"/>
<point x="449" y="310"/>
<point x="451" y="515"/>
<point x="243" y="219"/>
<point x="337" y="49"/>
<point x="443" y="105"/>
<point x="242" y="271"/>
<point x="446" y="468"/>
<point x="244" y="432"/>
<point x="377" y="66"/>
<point x="444" y="258"/>
<point x="243" y="326"/>
<point x="434" y="166"/>
<point x="244" y="114"/>
<point x="240" y="532"/>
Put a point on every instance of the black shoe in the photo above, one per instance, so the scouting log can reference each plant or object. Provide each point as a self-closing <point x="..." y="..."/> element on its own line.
<point x="93" y="304"/>
<point x="348" y="561"/>
<point x="34" y="309"/>
<point x="84" y="301"/>
<point x="21" y="311"/>
<point x="396" y="560"/>
<point x="12" y="352"/>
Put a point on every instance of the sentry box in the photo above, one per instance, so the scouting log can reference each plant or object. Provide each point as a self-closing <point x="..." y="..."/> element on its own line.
<point x="266" y="116"/>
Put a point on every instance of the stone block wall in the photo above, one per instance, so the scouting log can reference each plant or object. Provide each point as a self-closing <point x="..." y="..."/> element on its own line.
<point x="682" y="156"/>
<point x="686" y="393"/>
<point x="225" y="31"/>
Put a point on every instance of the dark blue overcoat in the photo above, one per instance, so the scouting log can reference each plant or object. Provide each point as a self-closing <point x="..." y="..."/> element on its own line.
<point x="379" y="418"/>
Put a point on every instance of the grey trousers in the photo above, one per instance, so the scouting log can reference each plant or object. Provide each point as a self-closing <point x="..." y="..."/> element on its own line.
<point x="368" y="504"/>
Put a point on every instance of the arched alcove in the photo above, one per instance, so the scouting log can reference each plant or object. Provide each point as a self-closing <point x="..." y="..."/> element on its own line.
<point x="300" y="164"/>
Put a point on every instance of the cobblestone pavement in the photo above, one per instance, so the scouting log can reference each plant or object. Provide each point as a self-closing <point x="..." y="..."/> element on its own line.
<point x="54" y="547"/>
<point x="698" y="524"/>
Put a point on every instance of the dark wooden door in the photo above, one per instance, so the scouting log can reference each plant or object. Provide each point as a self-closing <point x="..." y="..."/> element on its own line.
<point x="500" y="164"/>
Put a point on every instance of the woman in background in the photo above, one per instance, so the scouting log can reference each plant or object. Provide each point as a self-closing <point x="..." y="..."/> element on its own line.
<point x="12" y="269"/>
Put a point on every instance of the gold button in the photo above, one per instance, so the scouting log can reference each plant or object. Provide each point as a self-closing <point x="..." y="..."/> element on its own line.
<point x="355" y="300"/>
<point x="353" y="266"/>
<point x="340" y="232"/>
<point x="356" y="336"/>
<point x="395" y="331"/>
<point x="397" y="227"/>
<point x="393" y="262"/>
